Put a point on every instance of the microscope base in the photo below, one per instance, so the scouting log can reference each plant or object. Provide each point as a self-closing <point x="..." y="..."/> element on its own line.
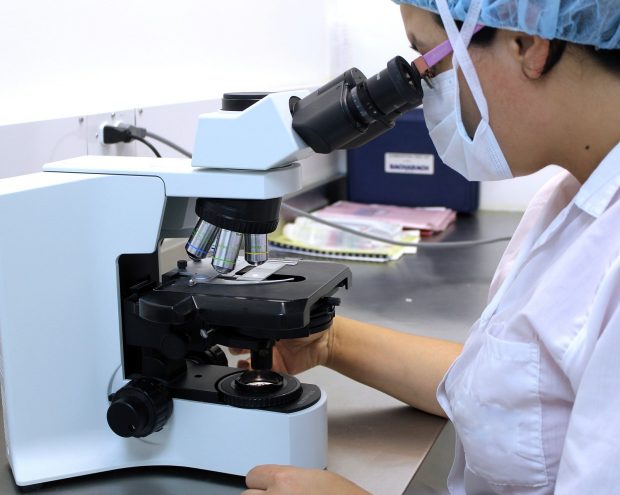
<point x="198" y="435"/>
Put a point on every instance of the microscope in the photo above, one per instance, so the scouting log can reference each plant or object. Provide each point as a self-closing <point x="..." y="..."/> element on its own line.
<point x="106" y="363"/>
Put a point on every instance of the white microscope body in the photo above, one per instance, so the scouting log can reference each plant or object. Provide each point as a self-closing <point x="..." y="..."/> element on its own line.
<point x="63" y="231"/>
<point x="83" y="310"/>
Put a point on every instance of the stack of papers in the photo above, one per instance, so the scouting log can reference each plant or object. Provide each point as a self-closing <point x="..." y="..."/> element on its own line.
<point x="428" y="221"/>
<point x="280" y="242"/>
<point x="316" y="239"/>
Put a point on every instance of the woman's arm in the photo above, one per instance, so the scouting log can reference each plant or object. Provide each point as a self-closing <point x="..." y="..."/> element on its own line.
<point x="404" y="366"/>
<point x="407" y="367"/>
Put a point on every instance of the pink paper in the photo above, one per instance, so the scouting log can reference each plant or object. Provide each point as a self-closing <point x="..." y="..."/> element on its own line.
<point x="429" y="219"/>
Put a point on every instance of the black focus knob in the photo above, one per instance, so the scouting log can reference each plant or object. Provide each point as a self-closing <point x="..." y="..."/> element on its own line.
<point x="213" y="355"/>
<point x="139" y="408"/>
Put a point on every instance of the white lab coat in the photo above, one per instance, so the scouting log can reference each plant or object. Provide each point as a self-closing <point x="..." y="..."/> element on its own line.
<point x="535" y="395"/>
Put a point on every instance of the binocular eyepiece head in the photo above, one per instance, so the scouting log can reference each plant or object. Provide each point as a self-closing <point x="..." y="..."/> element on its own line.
<point x="351" y="110"/>
<point x="345" y="113"/>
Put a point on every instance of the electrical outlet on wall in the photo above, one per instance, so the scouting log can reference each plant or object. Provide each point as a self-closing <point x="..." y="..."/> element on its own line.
<point x="94" y="125"/>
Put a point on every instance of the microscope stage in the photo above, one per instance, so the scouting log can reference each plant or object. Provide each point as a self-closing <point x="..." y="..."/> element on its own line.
<point x="283" y="305"/>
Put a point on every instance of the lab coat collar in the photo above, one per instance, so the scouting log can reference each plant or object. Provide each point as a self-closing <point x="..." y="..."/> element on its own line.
<point x="597" y="192"/>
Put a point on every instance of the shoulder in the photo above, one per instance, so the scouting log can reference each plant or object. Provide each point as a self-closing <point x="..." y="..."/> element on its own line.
<point x="561" y="187"/>
<point x="548" y="201"/>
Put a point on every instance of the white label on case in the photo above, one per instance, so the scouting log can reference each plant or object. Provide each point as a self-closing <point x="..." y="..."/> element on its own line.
<point x="409" y="163"/>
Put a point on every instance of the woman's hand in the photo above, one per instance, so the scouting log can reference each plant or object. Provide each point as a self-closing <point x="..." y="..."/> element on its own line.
<point x="292" y="356"/>
<point x="288" y="480"/>
<point x="408" y="367"/>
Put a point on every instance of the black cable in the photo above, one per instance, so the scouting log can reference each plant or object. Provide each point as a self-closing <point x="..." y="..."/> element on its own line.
<point x="169" y="143"/>
<point x="145" y="142"/>
<point x="424" y="245"/>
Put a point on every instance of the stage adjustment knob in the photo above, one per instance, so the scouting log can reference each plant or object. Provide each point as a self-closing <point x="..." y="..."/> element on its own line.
<point x="139" y="408"/>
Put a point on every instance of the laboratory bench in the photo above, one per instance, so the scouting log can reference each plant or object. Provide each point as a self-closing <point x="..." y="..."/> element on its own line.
<point x="374" y="439"/>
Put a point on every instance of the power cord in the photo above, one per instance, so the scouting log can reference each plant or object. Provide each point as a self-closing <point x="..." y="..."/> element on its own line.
<point x="126" y="133"/>
<point x="167" y="142"/>
<point x="149" y="145"/>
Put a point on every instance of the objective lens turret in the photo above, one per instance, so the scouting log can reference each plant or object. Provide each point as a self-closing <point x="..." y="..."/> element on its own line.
<point x="226" y="223"/>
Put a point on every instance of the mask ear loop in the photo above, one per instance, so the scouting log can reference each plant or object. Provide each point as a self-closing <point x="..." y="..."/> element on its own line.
<point x="461" y="56"/>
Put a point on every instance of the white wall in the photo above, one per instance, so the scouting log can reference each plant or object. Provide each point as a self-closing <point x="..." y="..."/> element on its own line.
<point x="365" y="34"/>
<point x="514" y="194"/>
<point x="67" y="65"/>
<point x="74" y="57"/>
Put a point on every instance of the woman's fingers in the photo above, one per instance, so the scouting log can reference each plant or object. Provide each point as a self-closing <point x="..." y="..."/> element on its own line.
<point x="244" y="364"/>
<point x="235" y="351"/>
<point x="262" y="477"/>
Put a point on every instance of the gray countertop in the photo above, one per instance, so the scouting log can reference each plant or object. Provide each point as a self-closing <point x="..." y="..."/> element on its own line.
<point x="374" y="439"/>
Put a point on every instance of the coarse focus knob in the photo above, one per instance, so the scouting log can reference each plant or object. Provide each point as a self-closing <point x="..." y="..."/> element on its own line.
<point x="213" y="355"/>
<point x="139" y="408"/>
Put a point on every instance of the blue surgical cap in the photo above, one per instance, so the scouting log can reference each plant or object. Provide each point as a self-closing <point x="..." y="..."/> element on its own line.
<point x="585" y="22"/>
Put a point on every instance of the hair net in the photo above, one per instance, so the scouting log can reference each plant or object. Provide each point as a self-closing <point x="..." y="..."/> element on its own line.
<point x="585" y="22"/>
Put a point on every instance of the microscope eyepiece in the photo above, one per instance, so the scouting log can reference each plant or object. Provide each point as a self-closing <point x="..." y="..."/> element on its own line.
<point x="396" y="86"/>
<point x="351" y="109"/>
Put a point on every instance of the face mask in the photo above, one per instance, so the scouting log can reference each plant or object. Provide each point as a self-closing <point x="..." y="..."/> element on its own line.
<point x="479" y="158"/>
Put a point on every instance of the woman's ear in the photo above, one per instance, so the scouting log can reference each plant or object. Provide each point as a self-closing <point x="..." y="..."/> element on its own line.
<point x="531" y="52"/>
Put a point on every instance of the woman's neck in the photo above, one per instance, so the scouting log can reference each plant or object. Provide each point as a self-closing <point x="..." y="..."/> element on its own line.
<point x="591" y="113"/>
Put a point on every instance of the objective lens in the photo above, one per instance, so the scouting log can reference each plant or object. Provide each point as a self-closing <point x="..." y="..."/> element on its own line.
<point x="228" y="245"/>
<point x="256" y="252"/>
<point x="201" y="240"/>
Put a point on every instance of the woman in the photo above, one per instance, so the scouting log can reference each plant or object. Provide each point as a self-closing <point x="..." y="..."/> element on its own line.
<point x="535" y="392"/>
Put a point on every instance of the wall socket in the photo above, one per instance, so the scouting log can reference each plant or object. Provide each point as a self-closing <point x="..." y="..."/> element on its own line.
<point x="94" y="126"/>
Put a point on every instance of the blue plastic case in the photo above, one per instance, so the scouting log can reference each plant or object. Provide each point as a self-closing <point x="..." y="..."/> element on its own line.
<point x="402" y="168"/>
